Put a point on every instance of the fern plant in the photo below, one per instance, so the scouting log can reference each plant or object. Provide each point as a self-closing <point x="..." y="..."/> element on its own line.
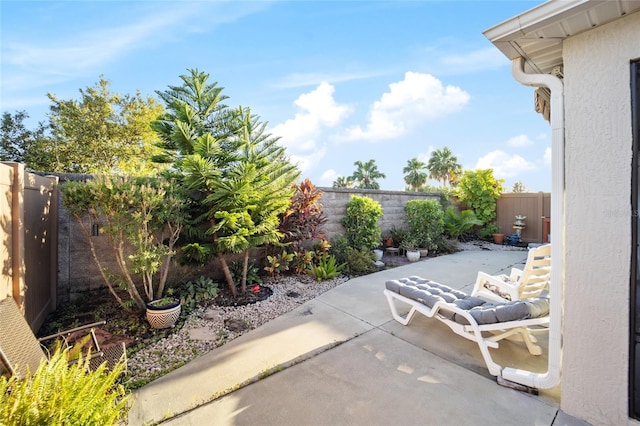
<point x="61" y="393"/>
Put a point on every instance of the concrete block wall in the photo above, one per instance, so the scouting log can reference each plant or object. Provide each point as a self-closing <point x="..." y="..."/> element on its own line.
<point x="334" y="205"/>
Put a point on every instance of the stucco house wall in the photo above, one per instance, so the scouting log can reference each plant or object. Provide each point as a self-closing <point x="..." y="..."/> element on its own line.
<point x="598" y="155"/>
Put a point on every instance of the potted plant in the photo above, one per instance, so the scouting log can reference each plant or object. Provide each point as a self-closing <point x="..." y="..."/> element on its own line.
<point x="411" y="249"/>
<point x="498" y="236"/>
<point x="387" y="240"/>
<point x="163" y="312"/>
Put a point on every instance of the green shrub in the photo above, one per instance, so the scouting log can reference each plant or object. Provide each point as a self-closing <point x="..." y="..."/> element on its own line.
<point x="326" y="268"/>
<point x="360" y="261"/>
<point x="487" y="231"/>
<point x="362" y="223"/>
<point x="424" y="221"/>
<point x="339" y="249"/>
<point x="195" y="293"/>
<point x="278" y="263"/>
<point x="480" y="191"/>
<point x="62" y="394"/>
<point x="253" y="273"/>
<point x="456" y="224"/>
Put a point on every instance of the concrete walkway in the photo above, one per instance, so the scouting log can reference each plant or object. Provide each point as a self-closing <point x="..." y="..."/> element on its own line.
<point x="342" y="359"/>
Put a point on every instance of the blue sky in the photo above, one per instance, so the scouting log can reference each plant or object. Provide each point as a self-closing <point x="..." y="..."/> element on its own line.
<point x="338" y="81"/>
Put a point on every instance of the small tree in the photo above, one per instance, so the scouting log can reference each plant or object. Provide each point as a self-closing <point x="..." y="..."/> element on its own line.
<point x="479" y="190"/>
<point x="147" y="215"/>
<point x="303" y="219"/>
<point x="362" y="223"/>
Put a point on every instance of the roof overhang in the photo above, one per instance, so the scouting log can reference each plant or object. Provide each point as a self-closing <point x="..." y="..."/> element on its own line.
<point x="537" y="34"/>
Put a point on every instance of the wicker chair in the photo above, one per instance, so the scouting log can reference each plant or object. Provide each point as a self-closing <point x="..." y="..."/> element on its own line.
<point x="20" y="347"/>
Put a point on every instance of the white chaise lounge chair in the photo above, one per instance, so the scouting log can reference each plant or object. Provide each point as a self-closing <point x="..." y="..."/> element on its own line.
<point x="470" y="316"/>
<point x="520" y="284"/>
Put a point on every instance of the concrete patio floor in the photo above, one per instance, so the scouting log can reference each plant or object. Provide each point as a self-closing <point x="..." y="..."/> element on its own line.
<point x="342" y="359"/>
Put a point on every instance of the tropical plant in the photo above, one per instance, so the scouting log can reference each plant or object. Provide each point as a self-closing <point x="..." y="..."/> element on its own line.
<point x="61" y="393"/>
<point x="424" y="221"/>
<point x="410" y="244"/>
<point x="239" y="170"/>
<point x="195" y="293"/>
<point x="303" y="219"/>
<point x="102" y="133"/>
<point x="147" y="214"/>
<point x="343" y="182"/>
<point x="326" y="268"/>
<point x="361" y="222"/>
<point x="301" y="261"/>
<point x="366" y="175"/>
<point x="479" y="190"/>
<point x="456" y="224"/>
<point x="415" y="175"/>
<point x="443" y="166"/>
<point x="278" y="263"/>
<point x="252" y="274"/>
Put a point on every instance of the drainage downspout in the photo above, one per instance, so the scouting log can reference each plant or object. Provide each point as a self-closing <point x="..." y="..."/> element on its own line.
<point x="552" y="377"/>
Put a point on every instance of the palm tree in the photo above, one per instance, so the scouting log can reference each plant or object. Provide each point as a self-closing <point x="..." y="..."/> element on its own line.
<point x="366" y="174"/>
<point x="415" y="177"/>
<point x="443" y="166"/>
<point x="343" y="182"/>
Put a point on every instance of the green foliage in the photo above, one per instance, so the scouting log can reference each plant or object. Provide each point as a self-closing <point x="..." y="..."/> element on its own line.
<point x="443" y="166"/>
<point x="424" y="222"/>
<point x="398" y="235"/>
<point x="339" y="249"/>
<point x="241" y="172"/>
<point x="366" y="175"/>
<point x="196" y="254"/>
<point x="59" y="393"/>
<point x="303" y="219"/>
<point x="362" y="222"/>
<point x="326" y="268"/>
<point x="301" y="261"/>
<point x="196" y="293"/>
<point x="252" y="277"/>
<point x="147" y="214"/>
<point x="102" y="133"/>
<point x="480" y="191"/>
<point x="410" y="244"/>
<point x="360" y="261"/>
<point x="278" y="263"/>
<point x="487" y="231"/>
<point x="414" y="174"/>
<point x="23" y="145"/>
<point x="456" y="224"/>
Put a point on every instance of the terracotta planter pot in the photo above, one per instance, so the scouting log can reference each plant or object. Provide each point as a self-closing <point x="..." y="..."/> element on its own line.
<point x="498" y="238"/>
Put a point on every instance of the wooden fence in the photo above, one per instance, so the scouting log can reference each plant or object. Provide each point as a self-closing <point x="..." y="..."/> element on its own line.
<point x="28" y="241"/>
<point x="535" y="206"/>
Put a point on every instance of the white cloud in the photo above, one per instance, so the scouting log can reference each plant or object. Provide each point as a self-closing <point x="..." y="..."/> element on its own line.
<point x="416" y="99"/>
<point x="318" y="111"/>
<point x="547" y="156"/>
<point x="328" y="177"/>
<point x="504" y="165"/>
<point x="519" y="141"/>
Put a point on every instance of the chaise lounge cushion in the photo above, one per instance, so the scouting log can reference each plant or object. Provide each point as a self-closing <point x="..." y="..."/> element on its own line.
<point x="430" y="292"/>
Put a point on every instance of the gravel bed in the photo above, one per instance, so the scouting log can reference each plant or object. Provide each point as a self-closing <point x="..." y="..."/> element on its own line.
<point x="208" y="328"/>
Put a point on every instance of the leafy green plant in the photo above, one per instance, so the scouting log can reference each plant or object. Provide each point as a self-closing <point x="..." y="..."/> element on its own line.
<point x="196" y="292"/>
<point x="147" y="214"/>
<point x="410" y="244"/>
<point x="253" y="275"/>
<point x="424" y="221"/>
<point x="487" y="231"/>
<point x="326" y="268"/>
<point x="362" y="222"/>
<point x="278" y="263"/>
<point x="301" y="261"/>
<point x="339" y="249"/>
<point x="479" y="190"/>
<point x="456" y="224"/>
<point x="360" y="261"/>
<point x="61" y="393"/>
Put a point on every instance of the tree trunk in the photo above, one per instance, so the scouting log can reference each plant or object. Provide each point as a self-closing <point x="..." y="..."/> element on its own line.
<point x="227" y="274"/>
<point x="245" y="263"/>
